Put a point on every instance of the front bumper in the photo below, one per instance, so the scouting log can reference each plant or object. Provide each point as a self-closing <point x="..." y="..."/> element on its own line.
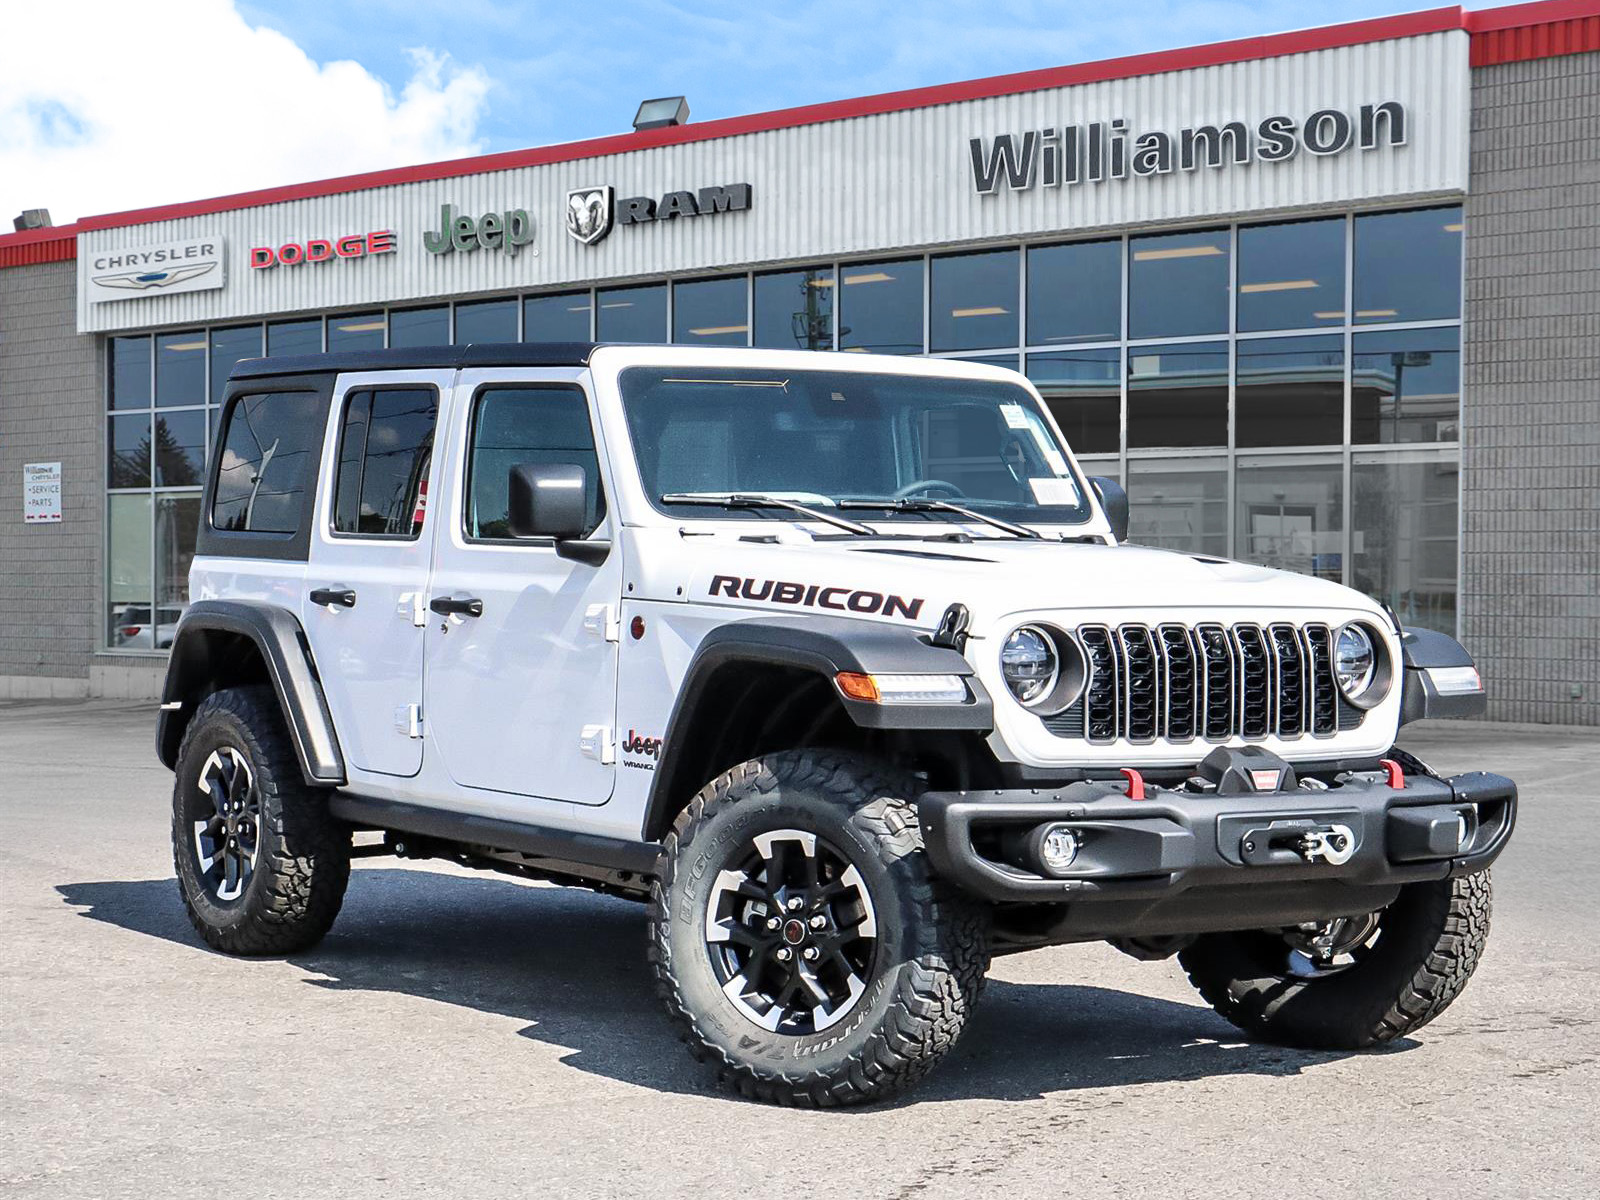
<point x="1184" y="857"/>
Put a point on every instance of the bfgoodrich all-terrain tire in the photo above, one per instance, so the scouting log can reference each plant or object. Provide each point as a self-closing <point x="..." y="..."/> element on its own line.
<point x="799" y="939"/>
<point x="261" y="864"/>
<point x="1363" y="982"/>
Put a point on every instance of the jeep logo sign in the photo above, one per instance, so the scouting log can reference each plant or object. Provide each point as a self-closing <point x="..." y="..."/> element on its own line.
<point x="591" y="213"/>
<point x="509" y="231"/>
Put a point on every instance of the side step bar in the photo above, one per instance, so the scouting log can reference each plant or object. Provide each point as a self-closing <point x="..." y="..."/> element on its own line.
<point x="612" y="854"/>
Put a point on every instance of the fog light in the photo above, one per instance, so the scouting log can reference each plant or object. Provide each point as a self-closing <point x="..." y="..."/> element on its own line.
<point x="1055" y="848"/>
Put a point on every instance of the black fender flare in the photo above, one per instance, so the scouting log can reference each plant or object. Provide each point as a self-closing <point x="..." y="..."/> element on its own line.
<point x="823" y="646"/>
<point x="1424" y="648"/>
<point x="277" y="634"/>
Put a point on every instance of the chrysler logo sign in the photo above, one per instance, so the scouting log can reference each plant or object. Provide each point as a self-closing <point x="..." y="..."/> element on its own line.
<point x="195" y="265"/>
<point x="591" y="212"/>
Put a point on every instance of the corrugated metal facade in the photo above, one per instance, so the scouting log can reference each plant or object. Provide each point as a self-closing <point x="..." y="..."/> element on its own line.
<point x="865" y="185"/>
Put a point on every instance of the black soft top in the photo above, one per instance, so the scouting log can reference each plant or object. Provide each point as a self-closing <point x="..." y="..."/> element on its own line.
<point x="513" y="354"/>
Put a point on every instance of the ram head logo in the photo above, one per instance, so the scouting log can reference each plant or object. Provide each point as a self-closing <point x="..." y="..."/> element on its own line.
<point x="589" y="213"/>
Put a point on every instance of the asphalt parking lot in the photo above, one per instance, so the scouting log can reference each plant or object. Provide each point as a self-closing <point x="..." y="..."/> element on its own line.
<point x="464" y="1034"/>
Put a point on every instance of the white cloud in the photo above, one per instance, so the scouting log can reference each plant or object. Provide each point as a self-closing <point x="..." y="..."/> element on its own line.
<point x="125" y="104"/>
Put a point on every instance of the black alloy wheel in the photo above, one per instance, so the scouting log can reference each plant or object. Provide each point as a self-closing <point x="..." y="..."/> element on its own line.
<point x="226" y="823"/>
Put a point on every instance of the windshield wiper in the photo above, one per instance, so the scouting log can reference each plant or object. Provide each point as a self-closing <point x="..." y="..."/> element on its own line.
<point x="928" y="504"/>
<point x="756" y="500"/>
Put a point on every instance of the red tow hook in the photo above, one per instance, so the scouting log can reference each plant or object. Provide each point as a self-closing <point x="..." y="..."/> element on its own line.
<point x="1136" y="783"/>
<point x="1397" y="777"/>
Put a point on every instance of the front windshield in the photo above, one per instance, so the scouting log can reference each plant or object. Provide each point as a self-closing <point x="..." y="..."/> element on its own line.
<point x="832" y="437"/>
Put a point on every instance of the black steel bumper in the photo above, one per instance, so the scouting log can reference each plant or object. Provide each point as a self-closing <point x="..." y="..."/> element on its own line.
<point x="1190" y="853"/>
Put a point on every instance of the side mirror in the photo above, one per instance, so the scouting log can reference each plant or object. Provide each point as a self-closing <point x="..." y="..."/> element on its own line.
<point x="1115" y="501"/>
<point x="547" y="501"/>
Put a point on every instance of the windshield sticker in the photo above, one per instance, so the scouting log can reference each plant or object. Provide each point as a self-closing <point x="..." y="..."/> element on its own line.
<point x="1057" y="460"/>
<point x="815" y="595"/>
<point x="1015" y="417"/>
<point x="1054" y="491"/>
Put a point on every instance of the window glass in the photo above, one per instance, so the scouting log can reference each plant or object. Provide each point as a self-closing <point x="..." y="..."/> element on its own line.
<point x="1178" y="395"/>
<point x="1291" y="514"/>
<point x="266" y="456"/>
<point x="974" y="302"/>
<point x="385" y="448"/>
<point x="1178" y="284"/>
<point x="636" y="314"/>
<point x="1405" y="386"/>
<point x="1405" y="510"/>
<point x="561" y="318"/>
<point x="128" y="451"/>
<point x="1075" y="293"/>
<point x="1103" y="468"/>
<point x="130" y="372"/>
<point x="419" y="326"/>
<point x="1290" y="391"/>
<point x="1291" y="276"/>
<point x="180" y="447"/>
<point x="181" y="368"/>
<point x="294" y="337"/>
<point x="177" y="522"/>
<point x="1408" y="266"/>
<point x="128" y="591"/>
<point x="1179" y="503"/>
<point x="489" y="321"/>
<point x="229" y="346"/>
<point x="881" y="307"/>
<point x="357" y="331"/>
<point x="794" y="310"/>
<point x="1010" y="362"/>
<point x="711" y="312"/>
<point x="1084" y="391"/>
<point x="527" y="426"/>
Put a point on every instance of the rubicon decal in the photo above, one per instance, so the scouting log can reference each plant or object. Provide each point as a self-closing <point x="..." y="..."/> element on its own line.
<point x="816" y="595"/>
<point x="317" y="250"/>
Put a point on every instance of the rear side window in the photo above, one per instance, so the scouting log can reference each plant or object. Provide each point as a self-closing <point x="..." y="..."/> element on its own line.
<point x="385" y="446"/>
<point x="537" y="426"/>
<point x="265" y="465"/>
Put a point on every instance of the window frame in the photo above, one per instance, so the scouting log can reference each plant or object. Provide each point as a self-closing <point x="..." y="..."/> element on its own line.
<point x="333" y="532"/>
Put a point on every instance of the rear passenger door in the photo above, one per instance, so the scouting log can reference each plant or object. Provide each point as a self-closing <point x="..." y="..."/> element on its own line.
<point x="364" y="608"/>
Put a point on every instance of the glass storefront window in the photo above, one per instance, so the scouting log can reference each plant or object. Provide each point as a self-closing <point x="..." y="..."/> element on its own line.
<point x="974" y="301"/>
<point x="1084" y="391"/>
<point x="634" y="314"/>
<point x="1102" y="468"/>
<point x="1179" y="503"/>
<point x="1178" y="395"/>
<point x="130" y="372"/>
<point x="294" y="337"/>
<point x="1291" y="276"/>
<point x="419" y="326"/>
<point x="181" y="369"/>
<point x="1405" y="386"/>
<point x="881" y="307"/>
<point x="177" y="520"/>
<point x="485" y="322"/>
<point x="357" y="331"/>
<point x="711" y="312"/>
<point x="1178" y="284"/>
<point x="128" y="451"/>
<point x="1408" y="266"/>
<point x="128" y="553"/>
<point x="228" y="347"/>
<point x="180" y="449"/>
<point x="1405" y="513"/>
<point x="1290" y="391"/>
<point x="1075" y="293"/>
<point x="1291" y="513"/>
<point x="794" y="310"/>
<point x="559" y="318"/>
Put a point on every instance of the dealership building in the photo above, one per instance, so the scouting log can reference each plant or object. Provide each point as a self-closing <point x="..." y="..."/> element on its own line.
<point x="1327" y="301"/>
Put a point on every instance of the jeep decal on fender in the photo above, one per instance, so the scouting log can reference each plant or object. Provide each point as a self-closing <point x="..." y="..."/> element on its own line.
<point x="815" y="595"/>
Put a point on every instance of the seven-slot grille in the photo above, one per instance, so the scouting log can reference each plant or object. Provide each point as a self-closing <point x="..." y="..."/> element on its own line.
<point x="1177" y="683"/>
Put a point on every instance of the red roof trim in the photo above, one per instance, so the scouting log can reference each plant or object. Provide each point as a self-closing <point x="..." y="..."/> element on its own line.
<point x="1522" y="32"/>
<point x="56" y="243"/>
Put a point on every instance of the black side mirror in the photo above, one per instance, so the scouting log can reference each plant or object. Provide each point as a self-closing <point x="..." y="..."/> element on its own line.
<point x="547" y="501"/>
<point x="1115" y="501"/>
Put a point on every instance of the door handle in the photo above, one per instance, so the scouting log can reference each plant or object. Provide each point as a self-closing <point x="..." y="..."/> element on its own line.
<point x="343" y="597"/>
<point x="450" y="606"/>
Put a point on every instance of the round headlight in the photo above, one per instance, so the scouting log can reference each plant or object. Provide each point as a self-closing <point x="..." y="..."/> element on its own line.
<point x="1029" y="663"/>
<point x="1355" y="661"/>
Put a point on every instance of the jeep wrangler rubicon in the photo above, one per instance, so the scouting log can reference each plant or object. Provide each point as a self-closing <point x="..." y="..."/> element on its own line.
<point x="837" y="661"/>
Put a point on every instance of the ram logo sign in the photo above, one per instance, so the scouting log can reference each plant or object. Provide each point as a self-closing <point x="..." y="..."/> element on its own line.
<point x="589" y="212"/>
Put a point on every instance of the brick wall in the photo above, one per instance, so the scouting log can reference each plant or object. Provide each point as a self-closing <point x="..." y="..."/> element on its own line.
<point x="1531" y="425"/>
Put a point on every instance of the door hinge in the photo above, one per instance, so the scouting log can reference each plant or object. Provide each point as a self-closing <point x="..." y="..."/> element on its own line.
<point x="414" y="607"/>
<point x="594" y="741"/>
<point x="602" y="621"/>
<point x="408" y="720"/>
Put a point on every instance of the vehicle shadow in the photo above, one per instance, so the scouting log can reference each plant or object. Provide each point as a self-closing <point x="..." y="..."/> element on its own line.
<point x="571" y="965"/>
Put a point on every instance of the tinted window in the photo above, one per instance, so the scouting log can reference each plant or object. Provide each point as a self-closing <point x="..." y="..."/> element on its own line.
<point x="1408" y="266"/>
<point x="1179" y="503"/>
<point x="266" y="452"/>
<point x="563" y="318"/>
<point x="229" y="346"/>
<point x="180" y="449"/>
<point x="181" y="368"/>
<point x="881" y="307"/>
<point x="128" y="451"/>
<point x="1075" y="293"/>
<point x="489" y="321"/>
<point x="1290" y="392"/>
<point x="794" y="310"/>
<point x="974" y="304"/>
<point x="359" y="331"/>
<point x="1178" y="395"/>
<point x="1178" y="284"/>
<point x="637" y="314"/>
<point x="295" y="337"/>
<point x="1405" y="386"/>
<point x="710" y="312"/>
<point x="1405" y="509"/>
<point x="1291" y="514"/>
<point x="1084" y="391"/>
<point x="534" y="426"/>
<point x="1291" y="276"/>
<point x="419" y="327"/>
<point x="384" y="451"/>
<point x="130" y="372"/>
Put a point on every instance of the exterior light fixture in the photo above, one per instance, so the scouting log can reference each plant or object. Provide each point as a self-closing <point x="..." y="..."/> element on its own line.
<point x="660" y="113"/>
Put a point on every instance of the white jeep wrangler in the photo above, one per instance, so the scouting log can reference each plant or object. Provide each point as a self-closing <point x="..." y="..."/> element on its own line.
<point x="839" y="662"/>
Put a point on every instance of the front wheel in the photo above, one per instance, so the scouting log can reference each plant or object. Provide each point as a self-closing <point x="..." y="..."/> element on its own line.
<point x="799" y="939"/>
<point x="1354" y="982"/>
